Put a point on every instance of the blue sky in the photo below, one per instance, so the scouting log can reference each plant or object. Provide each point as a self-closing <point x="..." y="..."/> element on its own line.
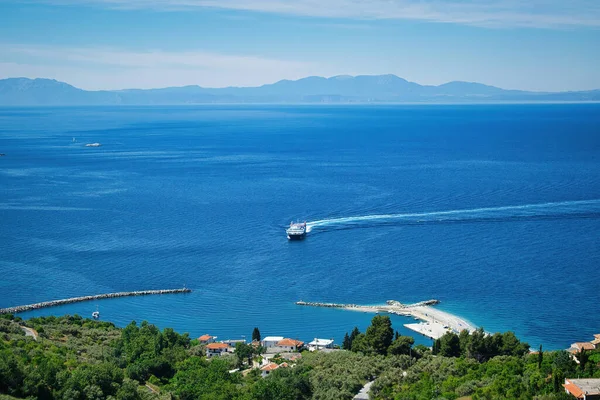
<point x="547" y="45"/>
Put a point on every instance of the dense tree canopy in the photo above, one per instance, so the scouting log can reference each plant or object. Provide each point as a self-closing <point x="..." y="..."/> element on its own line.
<point x="479" y="345"/>
<point x="75" y="358"/>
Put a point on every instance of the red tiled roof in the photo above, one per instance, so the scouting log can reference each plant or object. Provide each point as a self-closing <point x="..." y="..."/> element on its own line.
<point x="583" y="345"/>
<point x="290" y="342"/>
<point x="204" y="338"/>
<point x="574" y="390"/>
<point x="270" y="367"/>
<point x="217" y="346"/>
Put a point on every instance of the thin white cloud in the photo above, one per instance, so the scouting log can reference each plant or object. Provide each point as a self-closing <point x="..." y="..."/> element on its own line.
<point x="489" y="13"/>
<point x="145" y="59"/>
<point x="113" y="68"/>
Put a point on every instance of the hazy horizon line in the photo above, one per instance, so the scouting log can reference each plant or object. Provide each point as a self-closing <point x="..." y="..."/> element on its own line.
<point x="293" y="80"/>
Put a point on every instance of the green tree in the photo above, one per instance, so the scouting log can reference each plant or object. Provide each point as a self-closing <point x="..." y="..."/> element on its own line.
<point x="11" y="373"/>
<point x="449" y="345"/>
<point x="128" y="391"/>
<point x="379" y="334"/>
<point x="540" y="358"/>
<point x="512" y="346"/>
<point x="464" y="338"/>
<point x="355" y="332"/>
<point x="401" y="345"/>
<point x="360" y="344"/>
<point x="476" y="347"/>
<point x="558" y="377"/>
<point x="256" y="335"/>
<point x="244" y="353"/>
<point x="197" y="378"/>
<point x="435" y="348"/>
<point x="91" y="381"/>
<point x="349" y="339"/>
<point x="146" y="351"/>
<point x="564" y="363"/>
<point x="284" y="384"/>
<point x="582" y="357"/>
<point x="346" y="344"/>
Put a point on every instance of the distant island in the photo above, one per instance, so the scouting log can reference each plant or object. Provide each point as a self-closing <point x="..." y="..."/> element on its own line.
<point x="340" y="89"/>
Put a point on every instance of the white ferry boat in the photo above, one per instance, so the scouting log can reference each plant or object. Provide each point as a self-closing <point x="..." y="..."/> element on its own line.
<point x="296" y="231"/>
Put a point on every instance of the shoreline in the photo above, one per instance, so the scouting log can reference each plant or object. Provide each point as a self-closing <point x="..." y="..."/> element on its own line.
<point x="433" y="323"/>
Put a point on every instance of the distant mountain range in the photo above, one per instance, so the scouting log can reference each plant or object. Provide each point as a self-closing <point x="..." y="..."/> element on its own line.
<point x="314" y="89"/>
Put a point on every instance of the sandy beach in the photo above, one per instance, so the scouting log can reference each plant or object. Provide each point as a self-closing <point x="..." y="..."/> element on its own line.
<point x="433" y="323"/>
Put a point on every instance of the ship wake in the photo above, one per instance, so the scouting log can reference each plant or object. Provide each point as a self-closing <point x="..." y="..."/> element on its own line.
<point x="555" y="210"/>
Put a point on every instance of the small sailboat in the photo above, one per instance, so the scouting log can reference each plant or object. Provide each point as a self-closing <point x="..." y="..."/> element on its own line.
<point x="96" y="314"/>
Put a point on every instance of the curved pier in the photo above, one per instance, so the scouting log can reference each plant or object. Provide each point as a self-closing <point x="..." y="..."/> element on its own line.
<point x="36" y="306"/>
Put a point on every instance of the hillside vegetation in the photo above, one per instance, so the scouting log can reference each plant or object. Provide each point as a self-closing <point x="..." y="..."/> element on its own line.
<point x="75" y="358"/>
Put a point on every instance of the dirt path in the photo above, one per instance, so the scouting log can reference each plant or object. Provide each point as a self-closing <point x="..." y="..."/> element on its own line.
<point x="30" y="332"/>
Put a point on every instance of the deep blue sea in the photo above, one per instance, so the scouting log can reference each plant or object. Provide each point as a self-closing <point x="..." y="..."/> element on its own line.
<point x="492" y="209"/>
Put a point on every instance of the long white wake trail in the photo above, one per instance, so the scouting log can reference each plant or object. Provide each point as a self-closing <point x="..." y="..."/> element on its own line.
<point x="589" y="208"/>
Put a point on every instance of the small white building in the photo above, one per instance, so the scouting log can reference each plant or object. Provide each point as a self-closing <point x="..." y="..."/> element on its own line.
<point x="267" y="369"/>
<point x="205" y="339"/>
<point x="584" y="389"/>
<point x="271" y="341"/>
<point x="270" y="367"/>
<point x="289" y="345"/>
<point x="320" y="344"/>
<point x="217" y="349"/>
<point x="233" y="342"/>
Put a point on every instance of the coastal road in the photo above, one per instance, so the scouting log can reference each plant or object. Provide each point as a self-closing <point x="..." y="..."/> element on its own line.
<point x="364" y="392"/>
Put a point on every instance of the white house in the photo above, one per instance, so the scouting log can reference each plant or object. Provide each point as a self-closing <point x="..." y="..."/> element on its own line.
<point x="584" y="389"/>
<point x="271" y="341"/>
<point x="217" y="349"/>
<point x="205" y="339"/>
<point x="289" y="345"/>
<point x="267" y="369"/>
<point x="319" y="344"/>
<point x="270" y="367"/>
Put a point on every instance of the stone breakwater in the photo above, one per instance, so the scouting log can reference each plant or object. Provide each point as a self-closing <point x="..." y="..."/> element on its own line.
<point x="390" y="303"/>
<point x="36" y="306"/>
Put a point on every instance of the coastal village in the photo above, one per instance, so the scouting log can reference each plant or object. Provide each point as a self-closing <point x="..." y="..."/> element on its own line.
<point x="264" y="355"/>
<point x="274" y="362"/>
<point x="585" y="389"/>
<point x="275" y="351"/>
<point x="281" y="352"/>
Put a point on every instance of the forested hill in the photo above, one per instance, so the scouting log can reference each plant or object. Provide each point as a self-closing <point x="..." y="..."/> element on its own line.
<point x="314" y="89"/>
<point x="73" y="358"/>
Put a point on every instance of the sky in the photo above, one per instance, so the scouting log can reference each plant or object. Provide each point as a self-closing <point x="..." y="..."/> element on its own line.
<point x="541" y="45"/>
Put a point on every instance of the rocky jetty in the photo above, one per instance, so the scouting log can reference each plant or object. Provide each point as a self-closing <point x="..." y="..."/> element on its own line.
<point x="393" y="304"/>
<point x="28" y="307"/>
<point x="329" y="305"/>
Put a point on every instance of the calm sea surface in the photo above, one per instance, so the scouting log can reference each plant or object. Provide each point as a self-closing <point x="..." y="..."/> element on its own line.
<point x="494" y="210"/>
